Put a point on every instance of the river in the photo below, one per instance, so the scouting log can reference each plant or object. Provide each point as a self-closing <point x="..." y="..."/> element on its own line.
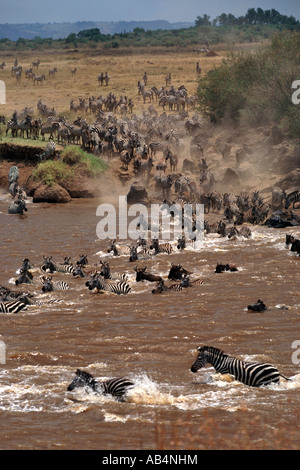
<point x="149" y="338"/>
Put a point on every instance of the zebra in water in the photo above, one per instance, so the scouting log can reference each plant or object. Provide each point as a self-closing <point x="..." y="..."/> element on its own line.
<point x="13" y="306"/>
<point x="106" y="273"/>
<point x="50" y="266"/>
<point x="253" y="374"/>
<point x="161" y="248"/>
<point x="116" y="387"/>
<point x="99" y="283"/>
<point x="292" y="198"/>
<point x="49" y="286"/>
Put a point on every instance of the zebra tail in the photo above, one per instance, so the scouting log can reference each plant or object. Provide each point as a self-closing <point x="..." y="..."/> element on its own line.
<point x="284" y="377"/>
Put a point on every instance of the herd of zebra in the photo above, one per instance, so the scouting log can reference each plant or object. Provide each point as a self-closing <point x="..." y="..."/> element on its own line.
<point x="101" y="280"/>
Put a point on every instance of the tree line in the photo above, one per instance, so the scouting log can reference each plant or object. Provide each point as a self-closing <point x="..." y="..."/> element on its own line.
<point x="255" y="26"/>
<point x="252" y="17"/>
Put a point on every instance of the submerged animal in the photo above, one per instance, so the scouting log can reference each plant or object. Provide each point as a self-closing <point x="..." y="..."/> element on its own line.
<point x="116" y="387"/>
<point x="258" y="307"/>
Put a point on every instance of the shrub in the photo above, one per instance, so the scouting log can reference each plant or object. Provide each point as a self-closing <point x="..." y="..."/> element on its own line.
<point x="52" y="171"/>
<point x="255" y="88"/>
<point x="74" y="161"/>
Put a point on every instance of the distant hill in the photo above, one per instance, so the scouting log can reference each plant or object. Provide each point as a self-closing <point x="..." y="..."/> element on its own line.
<point x="62" y="30"/>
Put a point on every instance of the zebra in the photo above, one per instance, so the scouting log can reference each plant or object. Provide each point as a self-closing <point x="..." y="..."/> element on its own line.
<point x="292" y="198"/>
<point x="186" y="282"/>
<point x="253" y="374"/>
<point x="49" y="286"/>
<point x="116" y="387"/>
<point x="119" y="287"/>
<point x="106" y="273"/>
<point x="161" y="248"/>
<point x="156" y="147"/>
<point x="17" y="207"/>
<point x="118" y="250"/>
<point x="13" y="306"/>
<point x="50" y="266"/>
<point x="161" y="287"/>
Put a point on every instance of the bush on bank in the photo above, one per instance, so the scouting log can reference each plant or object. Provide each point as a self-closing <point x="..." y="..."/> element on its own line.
<point x="255" y="88"/>
<point x="73" y="162"/>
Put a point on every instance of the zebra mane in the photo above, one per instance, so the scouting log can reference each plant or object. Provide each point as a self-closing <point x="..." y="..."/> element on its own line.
<point x="211" y="350"/>
<point x="86" y="376"/>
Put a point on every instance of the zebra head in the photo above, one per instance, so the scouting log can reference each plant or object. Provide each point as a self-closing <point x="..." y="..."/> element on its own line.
<point x="49" y="265"/>
<point x="105" y="270"/>
<point x="47" y="284"/>
<point x="95" y="283"/>
<point x="205" y="355"/>
<point x="82" y="379"/>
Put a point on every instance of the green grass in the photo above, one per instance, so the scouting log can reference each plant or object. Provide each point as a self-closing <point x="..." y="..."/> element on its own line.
<point x="73" y="161"/>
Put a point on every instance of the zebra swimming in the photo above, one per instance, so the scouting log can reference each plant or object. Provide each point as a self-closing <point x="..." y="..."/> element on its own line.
<point x="253" y="374"/>
<point x="116" y="387"/>
<point x="13" y="306"/>
<point x="98" y="282"/>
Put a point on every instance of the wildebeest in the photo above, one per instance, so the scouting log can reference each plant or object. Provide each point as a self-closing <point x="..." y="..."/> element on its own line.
<point x="220" y="268"/>
<point x="177" y="272"/>
<point x="259" y="306"/>
<point x="143" y="275"/>
<point x="294" y="242"/>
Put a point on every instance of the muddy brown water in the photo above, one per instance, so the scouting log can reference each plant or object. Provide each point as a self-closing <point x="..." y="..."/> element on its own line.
<point x="150" y="338"/>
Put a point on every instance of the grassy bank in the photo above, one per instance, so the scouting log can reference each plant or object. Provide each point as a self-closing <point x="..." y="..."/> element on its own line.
<point x="74" y="162"/>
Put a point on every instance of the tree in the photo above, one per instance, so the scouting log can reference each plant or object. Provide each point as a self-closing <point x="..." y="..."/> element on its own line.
<point x="203" y="20"/>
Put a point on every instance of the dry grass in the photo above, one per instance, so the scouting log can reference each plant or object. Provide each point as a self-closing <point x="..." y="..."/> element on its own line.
<point x="124" y="69"/>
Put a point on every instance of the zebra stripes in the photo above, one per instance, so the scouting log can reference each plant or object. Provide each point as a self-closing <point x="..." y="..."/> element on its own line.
<point x="116" y="387"/>
<point x="13" y="306"/>
<point x="156" y="147"/>
<point x="161" y="248"/>
<point x="118" y="288"/>
<point x="292" y="198"/>
<point x="49" y="286"/>
<point x="98" y="282"/>
<point x="253" y="374"/>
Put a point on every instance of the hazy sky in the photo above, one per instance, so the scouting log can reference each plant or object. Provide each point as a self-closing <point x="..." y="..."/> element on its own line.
<point x="50" y="11"/>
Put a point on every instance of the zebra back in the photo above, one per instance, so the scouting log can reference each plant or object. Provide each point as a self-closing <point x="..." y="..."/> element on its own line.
<point x="13" y="306"/>
<point x="253" y="374"/>
<point x="117" y="387"/>
<point x="118" y="288"/>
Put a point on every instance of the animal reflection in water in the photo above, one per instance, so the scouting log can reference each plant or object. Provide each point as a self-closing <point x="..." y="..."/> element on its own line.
<point x="116" y="387"/>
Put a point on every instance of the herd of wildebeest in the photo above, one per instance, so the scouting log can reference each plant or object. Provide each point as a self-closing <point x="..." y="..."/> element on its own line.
<point x="165" y="150"/>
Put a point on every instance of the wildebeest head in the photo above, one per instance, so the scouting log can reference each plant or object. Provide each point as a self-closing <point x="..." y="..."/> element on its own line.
<point x="139" y="273"/>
